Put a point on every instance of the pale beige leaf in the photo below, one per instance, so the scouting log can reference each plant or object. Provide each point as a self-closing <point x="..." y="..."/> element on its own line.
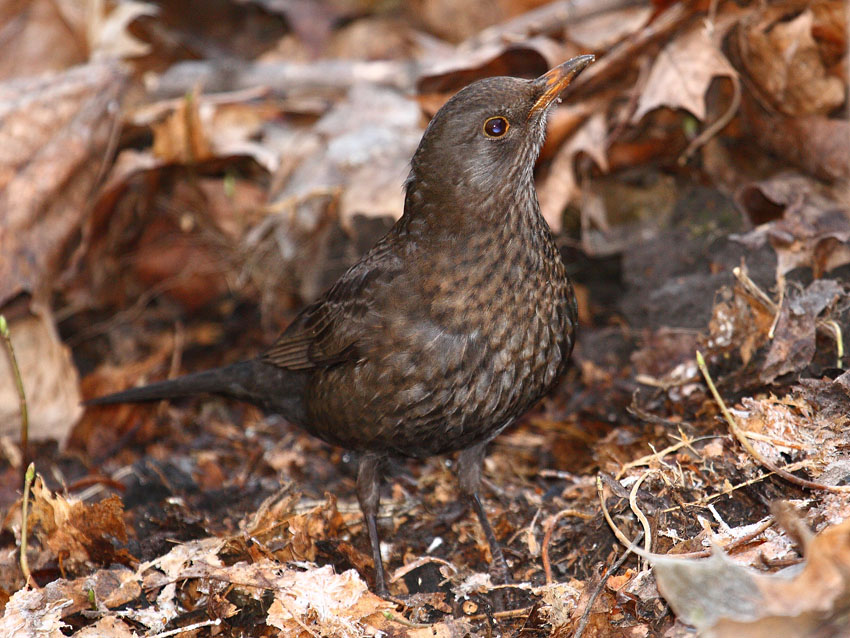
<point x="560" y="186"/>
<point x="28" y="614"/>
<point x="682" y="72"/>
<point x="108" y="34"/>
<point x="49" y="377"/>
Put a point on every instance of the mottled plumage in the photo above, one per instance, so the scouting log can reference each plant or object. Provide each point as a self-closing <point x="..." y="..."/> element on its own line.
<point x="451" y="327"/>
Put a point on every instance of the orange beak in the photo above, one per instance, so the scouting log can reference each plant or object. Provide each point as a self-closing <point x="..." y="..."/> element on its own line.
<point x="554" y="81"/>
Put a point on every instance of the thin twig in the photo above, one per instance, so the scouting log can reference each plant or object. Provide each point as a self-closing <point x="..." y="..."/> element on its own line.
<point x="745" y="443"/>
<point x="180" y="630"/>
<point x="647" y="530"/>
<point x="617" y="532"/>
<point x="645" y="460"/>
<point x="703" y="501"/>
<point x="25" y="566"/>
<point x="547" y="538"/>
<point x="401" y="620"/>
<point x="718" y="125"/>
<point x="735" y="544"/>
<point x="582" y="623"/>
<point x="22" y="397"/>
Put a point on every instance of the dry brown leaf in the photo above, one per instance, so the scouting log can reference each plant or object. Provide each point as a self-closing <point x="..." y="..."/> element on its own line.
<point x="53" y="35"/>
<point x="445" y="75"/>
<point x="77" y="532"/>
<point x="682" y="72"/>
<point x="602" y="31"/>
<point x="28" y="614"/>
<point x="813" y="232"/>
<point x="182" y="138"/>
<point x="725" y="600"/>
<point x="817" y="144"/>
<point x="793" y="345"/>
<point x="54" y="134"/>
<point x="316" y="597"/>
<point x="560" y="186"/>
<point x="108" y="33"/>
<point x="783" y="59"/>
<point x="110" y="588"/>
<point x="50" y="380"/>
<point x="363" y="151"/>
<point x="45" y="35"/>
<point x="107" y="627"/>
<point x="330" y="604"/>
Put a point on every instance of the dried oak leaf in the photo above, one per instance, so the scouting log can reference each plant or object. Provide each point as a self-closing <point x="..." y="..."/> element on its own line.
<point x="812" y="229"/>
<point x="28" y="614"/>
<point x="725" y="600"/>
<point x="682" y="72"/>
<point x="76" y="532"/>
<point x="783" y="60"/>
<point x="54" y="133"/>
<point x="819" y="145"/>
<point x="560" y="187"/>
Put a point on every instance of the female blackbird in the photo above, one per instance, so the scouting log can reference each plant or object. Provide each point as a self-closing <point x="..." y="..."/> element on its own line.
<point x="450" y="328"/>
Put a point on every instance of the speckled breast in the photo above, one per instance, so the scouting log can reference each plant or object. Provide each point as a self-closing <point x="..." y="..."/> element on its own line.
<point x="456" y="369"/>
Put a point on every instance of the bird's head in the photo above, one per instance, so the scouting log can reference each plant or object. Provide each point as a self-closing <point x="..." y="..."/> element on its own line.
<point x="488" y="136"/>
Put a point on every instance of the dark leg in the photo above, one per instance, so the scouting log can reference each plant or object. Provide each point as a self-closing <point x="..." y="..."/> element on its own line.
<point x="368" y="494"/>
<point x="469" y="476"/>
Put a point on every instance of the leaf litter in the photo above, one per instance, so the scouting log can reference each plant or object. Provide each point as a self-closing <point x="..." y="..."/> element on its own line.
<point x="172" y="179"/>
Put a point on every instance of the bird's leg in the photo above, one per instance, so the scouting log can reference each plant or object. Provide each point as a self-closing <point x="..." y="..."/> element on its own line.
<point x="368" y="495"/>
<point x="469" y="464"/>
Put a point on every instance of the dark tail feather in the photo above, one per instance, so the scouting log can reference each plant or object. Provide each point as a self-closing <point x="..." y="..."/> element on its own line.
<point x="271" y="388"/>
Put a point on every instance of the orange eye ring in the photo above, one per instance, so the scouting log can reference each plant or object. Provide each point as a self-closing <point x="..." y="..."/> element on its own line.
<point x="496" y="126"/>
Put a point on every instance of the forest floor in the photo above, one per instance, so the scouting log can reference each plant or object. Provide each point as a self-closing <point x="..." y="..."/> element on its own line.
<point x="176" y="184"/>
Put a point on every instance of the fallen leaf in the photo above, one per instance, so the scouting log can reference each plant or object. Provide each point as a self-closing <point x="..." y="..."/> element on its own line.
<point x="45" y="35"/>
<point x="814" y="229"/>
<point x="78" y="532"/>
<point x="108" y="31"/>
<point x="29" y="615"/>
<point x="54" y="132"/>
<point x="107" y="627"/>
<point x="723" y="599"/>
<point x="793" y="345"/>
<point x="560" y="187"/>
<point x="682" y="72"/>
<point x="783" y="60"/>
<point x="817" y="144"/>
<point x="49" y="377"/>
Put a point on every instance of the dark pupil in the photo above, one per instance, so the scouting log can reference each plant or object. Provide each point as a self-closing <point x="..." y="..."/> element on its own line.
<point x="496" y="126"/>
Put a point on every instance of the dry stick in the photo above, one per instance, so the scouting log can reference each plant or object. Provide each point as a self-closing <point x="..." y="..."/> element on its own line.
<point x="647" y="530"/>
<point x="617" y="532"/>
<point x="645" y="460"/>
<point x="715" y="127"/>
<point x="22" y="397"/>
<point x="745" y="443"/>
<point x="547" y="538"/>
<point x="731" y="546"/>
<point x="180" y="630"/>
<point x="700" y="502"/>
<point x="585" y="616"/>
<point x="25" y="566"/>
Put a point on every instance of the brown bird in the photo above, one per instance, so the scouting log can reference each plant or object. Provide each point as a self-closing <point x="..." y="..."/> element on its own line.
<point x="450" y="328"/>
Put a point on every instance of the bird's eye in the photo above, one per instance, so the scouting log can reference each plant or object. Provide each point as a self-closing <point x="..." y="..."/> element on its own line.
<point x="495" y="126"/>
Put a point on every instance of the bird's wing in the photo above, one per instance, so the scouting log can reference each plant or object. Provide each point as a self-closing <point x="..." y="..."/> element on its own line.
<point x="330" y="330"/>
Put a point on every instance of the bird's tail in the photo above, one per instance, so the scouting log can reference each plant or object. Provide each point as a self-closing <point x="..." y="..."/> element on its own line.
<point x="269" y="387"/>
